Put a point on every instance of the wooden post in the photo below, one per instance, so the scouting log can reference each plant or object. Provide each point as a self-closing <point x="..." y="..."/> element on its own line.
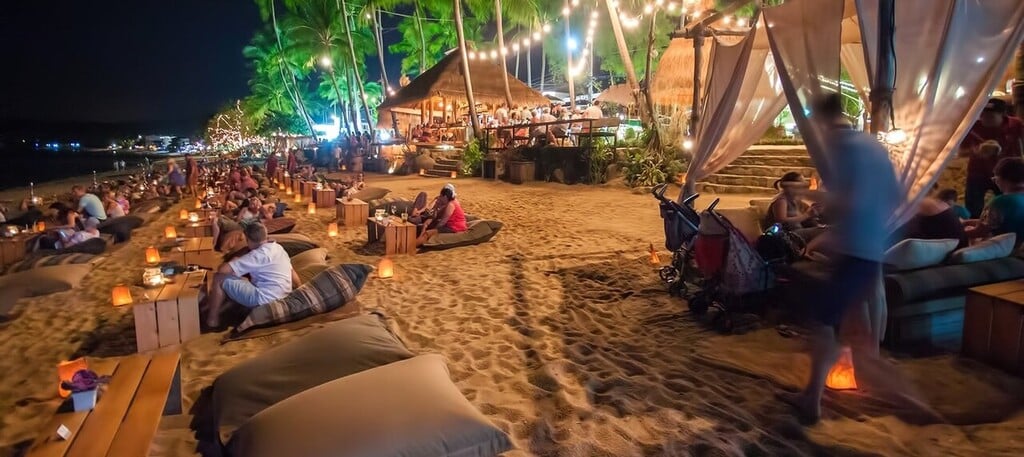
<point x="698" y="60"/>
<point x="568" y="60"/>
<point x="884" y="77"/>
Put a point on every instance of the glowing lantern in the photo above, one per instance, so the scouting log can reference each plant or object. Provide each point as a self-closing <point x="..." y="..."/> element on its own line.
<point x="121" y="295"/>
<point x="66" y="371"/>
<point x="288" y="191"/>
<point x="199" y="203"/>
<point x="655" y="260"/>
<point x="814" y="183"/>
<point x="193" y="217"/>
<point x="152" y="255"/>
<point x="169" y="232"/>
<point x="311" y="209"/>
<point x="183" y="214"/>
<point x="344" y="167"/>
<point x="841" y="376"/>
<point x="332" y="229"/>
<point x="298" y="198"/>
<point x="423" y="171"/>
<point x="280" y="185"/>
<point x="453" y="175"/>
<point x="386" y="268"/>
<point x="40" y="226"/>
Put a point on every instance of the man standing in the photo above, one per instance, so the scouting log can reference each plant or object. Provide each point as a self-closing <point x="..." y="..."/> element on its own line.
<point x="863" y="195"/>
<point x="993" y="125"/>
<point x="89" y="204"/>
<point x="268" y="267"/>
<point x="594" y="111"/>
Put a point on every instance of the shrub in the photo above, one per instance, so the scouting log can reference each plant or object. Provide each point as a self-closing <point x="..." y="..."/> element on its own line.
<point x="472" y="158"/>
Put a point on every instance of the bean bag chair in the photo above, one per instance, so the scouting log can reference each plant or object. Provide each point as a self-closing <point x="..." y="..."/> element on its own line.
<point x="480" y="231"/>
<point x="121" y="227"/>
<point x="400" y="205"/>
<point x="409" y="408"/>
<point x="338" y="350"/>
<point x="310" y="263"/>
<point x="291" y="237"/>
<point x="279" y="225"/>
<point x="328" y="291"/>
<point x="371" y="193"/>
<point x="41" y="259"/>
<point x="39" y="281"/>
<point x="95" y="246"/>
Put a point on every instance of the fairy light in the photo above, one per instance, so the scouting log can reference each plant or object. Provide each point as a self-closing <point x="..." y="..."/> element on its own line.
<point x="566" y="11"/>
<point x="536" y="36"/>
<point x="648" y="8"/>
<point x="494" y="53"/>
<point x="515" y="47"/>
<point x="741" y="22"/>
<point x="472" y="55"/>
<point x="546" y="28"/>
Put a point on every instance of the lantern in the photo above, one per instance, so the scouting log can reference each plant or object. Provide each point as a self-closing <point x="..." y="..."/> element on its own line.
<point x="453" y="175"/>
<point x="655" y="260"/>
<point x="40" y="226"/>
<point x="280" y="185"/>
<point x="423" y="171"/>
<point x="344" y="167"/>
<point x="814" y="183"/>
<point x="66" y="371"/>
<point x="298" y="198"/>
<point x="199" y="203"/>
<point x="183" y="214"/>
<point x="288" y="191"/>
<point x="169" y="232"/>
<point x="152" y="277"/>
<point x="152" y="255"/>
<point x="841" y="376"/>
<point x="311" y="209"/>
<point x="121" y="295"/>
<point x="332" y="229"/>
<point x="386" y="268"/>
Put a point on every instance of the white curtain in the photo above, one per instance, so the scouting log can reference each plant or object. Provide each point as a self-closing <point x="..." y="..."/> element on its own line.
<point x="743" y="96"/>
<point x="805" y="38"/>
<point x="852" y="57"/>
<point x="950" y="54"/>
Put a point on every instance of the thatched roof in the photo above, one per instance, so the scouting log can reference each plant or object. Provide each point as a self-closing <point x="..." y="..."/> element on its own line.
<point x="445" y="80"/>
<point x="619" y="94"/>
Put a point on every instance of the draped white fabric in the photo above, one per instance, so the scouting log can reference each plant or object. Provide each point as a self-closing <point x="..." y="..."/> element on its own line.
<point x="852" y="57"/>
<point x="743" y="97"/>
<point x="950" y="55"/>
<point x="805" y="38"/>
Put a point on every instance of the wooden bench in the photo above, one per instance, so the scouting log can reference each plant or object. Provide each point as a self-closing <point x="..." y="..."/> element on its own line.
<point x="142" y="389"/>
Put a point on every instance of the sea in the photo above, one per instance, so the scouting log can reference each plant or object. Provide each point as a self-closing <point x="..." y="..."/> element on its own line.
<point x="21" y="165"/>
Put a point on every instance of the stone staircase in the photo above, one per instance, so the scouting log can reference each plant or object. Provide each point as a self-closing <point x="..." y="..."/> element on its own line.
<point x="756" y="170"/>
<point x="443" y="168"/>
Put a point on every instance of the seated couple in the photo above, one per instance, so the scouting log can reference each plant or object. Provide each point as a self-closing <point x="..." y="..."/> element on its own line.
<point x="445" y="215"/>
<point x="268" y="267"/>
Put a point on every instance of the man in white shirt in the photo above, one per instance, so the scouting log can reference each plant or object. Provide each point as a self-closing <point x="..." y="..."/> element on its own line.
<point x="268" y="267"/>
<point x="501" y="115"/>
<point x="593" y="111"/>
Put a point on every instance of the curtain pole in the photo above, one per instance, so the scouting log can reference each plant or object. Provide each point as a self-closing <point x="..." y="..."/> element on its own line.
<point x="885" y="75"/>
<point x="698" y="58"/>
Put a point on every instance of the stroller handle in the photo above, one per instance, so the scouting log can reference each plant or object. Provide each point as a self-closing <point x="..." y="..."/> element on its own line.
<point x="659" y="193"/>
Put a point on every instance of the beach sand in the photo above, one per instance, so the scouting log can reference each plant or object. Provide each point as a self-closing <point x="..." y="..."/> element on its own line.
<point x="558" y="330"/>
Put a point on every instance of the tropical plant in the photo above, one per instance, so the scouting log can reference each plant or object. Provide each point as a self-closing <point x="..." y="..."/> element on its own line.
<point x="472" y="158"/>
<point x="601" y="155"/>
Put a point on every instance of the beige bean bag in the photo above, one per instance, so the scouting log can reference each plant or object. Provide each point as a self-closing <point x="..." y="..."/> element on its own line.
<point x="480" y="231"/>
<point x="39" y="281"/>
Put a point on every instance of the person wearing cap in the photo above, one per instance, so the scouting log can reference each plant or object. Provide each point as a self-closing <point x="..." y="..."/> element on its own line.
<point x="89" y="232"/>
<point x="993" y="126"/>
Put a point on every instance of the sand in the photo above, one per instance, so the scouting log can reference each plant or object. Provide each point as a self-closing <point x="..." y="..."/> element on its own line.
<point x="558" y="330"/>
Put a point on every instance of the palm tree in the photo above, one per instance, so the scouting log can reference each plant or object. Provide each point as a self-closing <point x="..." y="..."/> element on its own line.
<point x="354" y="60"/>
<point x="269" y="10"/>
<point x="627" y="59"/>
<point x="517" y="12"/>
<point x="466" y="77"/>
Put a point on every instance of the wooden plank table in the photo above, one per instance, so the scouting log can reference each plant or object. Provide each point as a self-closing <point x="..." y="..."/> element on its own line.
<point x="142" y="388"/>
<point x="195" y="251"/>
<point x="352" y="213"/>
<point x="170" y="316"/>
<point x="994" y="325"/>
<point x="14" y="249"/>
<point x="308" y="187"/>
<point x="324" y="198"/>
<point x="399" y="237"/>
<point x="203" y="228"/>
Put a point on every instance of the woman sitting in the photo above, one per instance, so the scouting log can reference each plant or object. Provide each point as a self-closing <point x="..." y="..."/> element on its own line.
<point x="1004" y="213"/>
<point x="112" y="206"/>
<point x="935" y="220"/>
<point x="450" y="218"/>
<point x="790" y="211"/>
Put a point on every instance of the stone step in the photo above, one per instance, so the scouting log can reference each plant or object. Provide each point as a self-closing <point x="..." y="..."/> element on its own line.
<point x="710" y="188"/>
<point x="766" y="171"/>
<point x="768" y="150"/>
<point x="741" y="180"/>
<point x="447" y="162"/>
<point x="447" y="166"/>
<point x="773" y="161"/>
<point x="435" y="173"/>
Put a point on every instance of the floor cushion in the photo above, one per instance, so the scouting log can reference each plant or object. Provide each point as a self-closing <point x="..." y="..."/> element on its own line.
<point x="310" y="263"/>
<point x="911" y="254"/>
<point x="279" y="225"/>
<point x="121" y="227"/>
<point x="291" y="237"/>
<point x="480" y="231"/>
<point x="746" y="220"/>
<point x="408" y="408"/>
<point x="95" y="246"/>
<point x="328" y="291"/>
<point x="39" y="281"/>
<point x="371" y="193"/>
<point x="39" y="261"/>
<point x="337" y="350"/>
<point x="996" y="247"/>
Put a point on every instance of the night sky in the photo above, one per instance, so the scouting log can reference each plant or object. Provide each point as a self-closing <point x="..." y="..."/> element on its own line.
<point x="123" y="60"/>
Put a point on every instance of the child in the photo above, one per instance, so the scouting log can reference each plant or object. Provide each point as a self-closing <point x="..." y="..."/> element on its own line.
<point x="950" y="197"/>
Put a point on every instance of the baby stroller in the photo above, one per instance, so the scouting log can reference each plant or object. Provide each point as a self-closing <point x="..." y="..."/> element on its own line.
<point x="713" y="264"/>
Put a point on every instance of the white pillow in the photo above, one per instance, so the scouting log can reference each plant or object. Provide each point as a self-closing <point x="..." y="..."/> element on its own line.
<point x="913" y="253"/>
<point x="996" y="247"/>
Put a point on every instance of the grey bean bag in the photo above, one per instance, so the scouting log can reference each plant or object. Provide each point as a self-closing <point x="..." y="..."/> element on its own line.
<point x="371" y="193"/>
<point x="120" y="227"/>
<point x="480" y="231"/>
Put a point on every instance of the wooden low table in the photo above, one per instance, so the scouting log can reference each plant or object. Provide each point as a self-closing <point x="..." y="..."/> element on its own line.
<point x="171" y="315"/>
<point x="13" y="249"/>
<point x="195" y="251"/>
<point x="142" y="389"/>
<point x="352" y="213"/>
<point x="994" y="325"/>
<point x="296" y="185"/>
<point x="324" y="198"/>
<point x="399" y="237"/>
<point x="203" y="228"/>
<point x="308" y="188"/>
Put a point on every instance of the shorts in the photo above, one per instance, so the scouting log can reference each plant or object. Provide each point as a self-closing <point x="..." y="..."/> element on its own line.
<point x="851" y="281"/>
<point x="242" y="292"/>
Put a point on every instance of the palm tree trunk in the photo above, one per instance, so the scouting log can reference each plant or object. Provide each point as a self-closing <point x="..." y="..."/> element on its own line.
<point x="647" y="72"/>
<point x="380" y="50"/>
<point x="352" y="106"/>
<point x="355" y="65"/>
<point x="529" y="70"/>
<point x="503" y="51"/>
<point x="1018" y="82"/>
<point x="466" y="77"/>
<point x="423" y="39"/>
<point x="294" y="93"/>
<point x="337" y="93"/>
<point x="569" y="77"/>
<point x="627" y="60"/>
<point x="543" y="65"/>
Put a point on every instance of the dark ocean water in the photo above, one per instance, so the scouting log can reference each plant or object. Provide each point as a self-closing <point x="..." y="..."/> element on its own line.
<point x="20" y="166"/>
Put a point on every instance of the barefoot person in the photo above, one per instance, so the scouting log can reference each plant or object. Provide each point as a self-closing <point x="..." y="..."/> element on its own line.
<point x="863" y="194"/>
<point x="268" y="267"/>
<point x="449" y="217"/>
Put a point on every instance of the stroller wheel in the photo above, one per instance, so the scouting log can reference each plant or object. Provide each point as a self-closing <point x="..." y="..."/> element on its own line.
<point x="668" y="274"/>
<point x="699" y="303"/>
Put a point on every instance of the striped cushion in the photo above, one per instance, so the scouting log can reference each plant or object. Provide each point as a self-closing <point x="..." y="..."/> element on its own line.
<point x="38" y="261"/>
<point x="328" y="291"/>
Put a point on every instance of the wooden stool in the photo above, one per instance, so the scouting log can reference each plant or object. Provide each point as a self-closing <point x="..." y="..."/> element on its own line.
<point x="13" y="250"/>
<point x="308" y="187"/>
<point x="296" y="185"/>
<point x="994" y="325"/>
<point x="324" y="198"/>
<point x="352" y="213"/>
<point x="399" y="237"/>
<point x="173" y="316"/>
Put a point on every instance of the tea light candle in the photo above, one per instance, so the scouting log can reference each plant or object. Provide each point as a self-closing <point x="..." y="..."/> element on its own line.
<point x="193" y="217"/>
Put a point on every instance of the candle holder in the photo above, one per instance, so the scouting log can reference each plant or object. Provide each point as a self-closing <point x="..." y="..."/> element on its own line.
<point x="152" y="277"/>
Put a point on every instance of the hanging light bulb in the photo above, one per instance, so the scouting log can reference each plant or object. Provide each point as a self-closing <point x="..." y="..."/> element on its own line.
<point x="671" y="6"/>
<point x="566" y="11"/>
<point x="659" y="2"/>
<point x="526" y="42"/>
<point x="741" y="22"/>
<point x="546" y="28"/>
<point x="472" y="55"/>
<point x="575" y="3"/>
<point x="727" y="20"/>
<point x="515" y="47"/>
<point x="536" y="36"/>
<point x="648" y="8"/>
<point x="504" y="50"/>
<point x="687" y="144"/>
<point x="593" y="14"/>
<point x="494" y="53"/>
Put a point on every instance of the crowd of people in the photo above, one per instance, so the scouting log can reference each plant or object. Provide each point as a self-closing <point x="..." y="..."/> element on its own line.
<point x="540" y="124"/>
